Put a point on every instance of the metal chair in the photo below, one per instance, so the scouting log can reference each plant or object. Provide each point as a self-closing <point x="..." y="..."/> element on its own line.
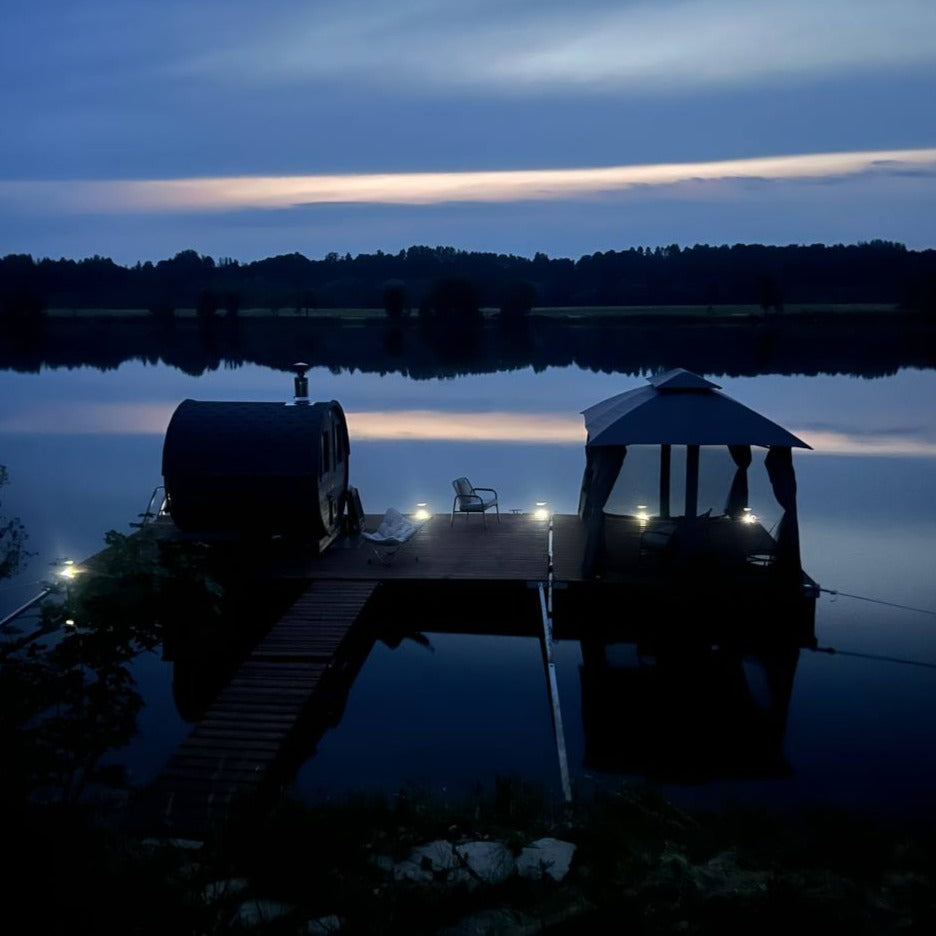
<point x="468" y="500"/>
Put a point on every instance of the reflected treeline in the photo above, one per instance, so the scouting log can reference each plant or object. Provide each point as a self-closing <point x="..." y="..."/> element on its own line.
<point x="831" y="343"/>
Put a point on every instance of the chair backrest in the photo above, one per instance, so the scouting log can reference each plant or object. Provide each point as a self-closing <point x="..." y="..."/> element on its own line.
<point x="462" y="487"/>
<point x="355" y="512"/>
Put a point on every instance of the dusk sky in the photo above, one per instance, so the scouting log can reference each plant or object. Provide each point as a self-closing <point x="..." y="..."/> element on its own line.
<point x="248" y="129"/>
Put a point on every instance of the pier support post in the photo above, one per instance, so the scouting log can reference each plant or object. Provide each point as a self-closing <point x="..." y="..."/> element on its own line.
<point x="692" y="480"/>
<point x="666" y="452"/>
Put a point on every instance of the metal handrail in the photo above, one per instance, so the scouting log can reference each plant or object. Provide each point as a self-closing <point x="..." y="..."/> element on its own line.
<point x="25" y="607"/>
<point x="150" y="514"/>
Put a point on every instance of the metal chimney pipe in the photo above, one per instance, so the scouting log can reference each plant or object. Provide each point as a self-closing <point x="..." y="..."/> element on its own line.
<point x="301" y="384"/>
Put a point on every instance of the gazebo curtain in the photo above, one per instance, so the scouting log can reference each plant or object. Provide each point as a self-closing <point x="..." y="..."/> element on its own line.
<point x="602" y="466"/>
<point x="779" y="464"/>
<point x="738" y="495"/>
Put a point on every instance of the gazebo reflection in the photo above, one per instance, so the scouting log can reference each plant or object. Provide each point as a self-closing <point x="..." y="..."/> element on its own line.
<point x="685" y="713"/>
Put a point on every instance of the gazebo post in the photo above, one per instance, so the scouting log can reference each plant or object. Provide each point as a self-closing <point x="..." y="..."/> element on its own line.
<point x="692" y="480"/>
<point x="666" y="452"/>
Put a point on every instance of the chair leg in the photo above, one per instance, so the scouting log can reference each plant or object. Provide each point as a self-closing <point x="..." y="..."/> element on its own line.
<point x="497" y="511"/>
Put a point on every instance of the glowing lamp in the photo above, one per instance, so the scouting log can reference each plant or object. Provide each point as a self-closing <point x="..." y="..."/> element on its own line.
<point x="422" y="511"/>
<point x="542" y="511"/>
<point x="747" y="516"/>
<point x="642" y="515"/>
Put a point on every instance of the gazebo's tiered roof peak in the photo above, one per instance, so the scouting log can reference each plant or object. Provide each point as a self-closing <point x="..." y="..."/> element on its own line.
<point x="681" y="379"/>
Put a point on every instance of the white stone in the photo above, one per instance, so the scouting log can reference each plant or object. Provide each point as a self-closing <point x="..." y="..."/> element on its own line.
<point x="256" y="912"/>
<point x="490" y="862"/>
<point x="324" y="926"/>
<point x="184" y="844"/>
<point x="217" y="890"/>
<point x="546" y="857"/>
<point x="426" y="863"/>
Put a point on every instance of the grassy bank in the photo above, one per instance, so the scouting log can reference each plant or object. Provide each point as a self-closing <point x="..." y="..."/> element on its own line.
<point x="640" y="865"/>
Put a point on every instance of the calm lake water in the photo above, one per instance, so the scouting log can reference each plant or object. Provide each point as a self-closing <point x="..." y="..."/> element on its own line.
<point x="83" y="450"/>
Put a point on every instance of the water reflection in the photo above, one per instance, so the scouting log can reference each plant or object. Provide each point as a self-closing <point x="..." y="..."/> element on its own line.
<point x="419" y="425"/>
<point x="797" y="345"/>
<point x="477" y="704"/>
<point x="684" y="714"/>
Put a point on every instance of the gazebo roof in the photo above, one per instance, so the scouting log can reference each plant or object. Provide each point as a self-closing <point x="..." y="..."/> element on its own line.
<point x="681" y="408"/>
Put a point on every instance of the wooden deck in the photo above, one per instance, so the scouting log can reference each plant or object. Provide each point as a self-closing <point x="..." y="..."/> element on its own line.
<point x="243" y="745"/>
<point x="515" y="549"/>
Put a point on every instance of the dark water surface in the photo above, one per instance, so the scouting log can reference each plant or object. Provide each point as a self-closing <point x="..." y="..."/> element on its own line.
<point x="83" y="450"/>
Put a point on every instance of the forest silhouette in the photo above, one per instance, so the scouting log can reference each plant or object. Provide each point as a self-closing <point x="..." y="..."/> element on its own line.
<point x="444" y="280"/>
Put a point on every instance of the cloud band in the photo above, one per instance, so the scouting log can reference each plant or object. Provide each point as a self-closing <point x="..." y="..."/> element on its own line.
<point x="233" y="193"/>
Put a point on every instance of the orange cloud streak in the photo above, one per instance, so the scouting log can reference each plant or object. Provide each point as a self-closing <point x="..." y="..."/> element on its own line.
<point x="424" y="188"/>
<point x="418" y="426"/>
<point x="426" y="425"/>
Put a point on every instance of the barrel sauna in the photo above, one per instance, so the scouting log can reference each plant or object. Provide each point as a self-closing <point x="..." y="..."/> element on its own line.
<point x="257" y="469"/>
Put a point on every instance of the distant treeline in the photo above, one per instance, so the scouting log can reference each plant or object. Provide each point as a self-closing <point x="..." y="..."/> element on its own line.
<point x="442" y="281"/>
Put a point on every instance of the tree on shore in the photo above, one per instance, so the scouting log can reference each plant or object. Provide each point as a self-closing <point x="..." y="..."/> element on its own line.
<point x="517" y="300"/>
<point x="452" y="300"/>
<point x="207" y="306"/>
<point x="394" y="299"/>
<point x="769" y="293"/>
<point x="12" y="538"/>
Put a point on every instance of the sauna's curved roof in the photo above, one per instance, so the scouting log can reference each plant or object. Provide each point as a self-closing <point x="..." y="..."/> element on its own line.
<point x="681" y="408"/>
<point x="224" y="439"/>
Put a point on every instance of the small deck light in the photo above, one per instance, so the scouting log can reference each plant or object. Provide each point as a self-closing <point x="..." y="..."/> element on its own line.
<point x="422" y="511"/>
<point x="747" y="516"/>
<point x="68" y="570"/>
<point x="542" y="511"/>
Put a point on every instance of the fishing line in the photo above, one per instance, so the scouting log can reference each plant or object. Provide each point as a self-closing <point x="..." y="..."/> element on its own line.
<point x="831" y="651"/>
<point x="889" y="604"/>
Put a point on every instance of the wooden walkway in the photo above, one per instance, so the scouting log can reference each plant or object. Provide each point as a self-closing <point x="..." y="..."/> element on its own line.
<point x="241" y="747"/>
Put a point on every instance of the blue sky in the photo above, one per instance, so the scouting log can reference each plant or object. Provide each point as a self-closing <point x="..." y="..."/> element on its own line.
<point x="244" y="129"/>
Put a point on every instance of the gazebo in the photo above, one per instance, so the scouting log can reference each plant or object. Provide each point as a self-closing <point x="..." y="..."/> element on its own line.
<point x="681" y="408"/>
